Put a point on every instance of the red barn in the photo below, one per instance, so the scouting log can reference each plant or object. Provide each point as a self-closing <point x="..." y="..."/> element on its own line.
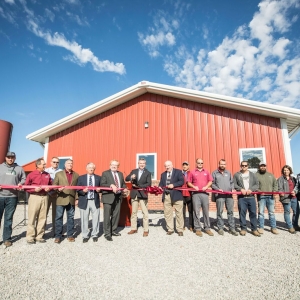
<point x="161" y="122"/>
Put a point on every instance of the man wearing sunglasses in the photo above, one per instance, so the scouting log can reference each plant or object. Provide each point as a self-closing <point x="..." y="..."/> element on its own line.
<point x="52" y="194"/>
<point x="201" y="180"/>
<point x="246" y="183"/>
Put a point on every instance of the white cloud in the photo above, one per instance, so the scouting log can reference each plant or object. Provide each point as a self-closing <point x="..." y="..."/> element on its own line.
<point x="76" y="2"/>
<point x="258" y="61"/>
<point x="10" y="1"/>
<point x="116" y="24"/>
<point x="49" y="14"/>
<point x="28" y="11"/>
<point x="9" y="16"/>
<point x="80" y="55"/>
<point x="205" y="32"/>
<point x="162" y="34"/>
<point x="77" y="19"/>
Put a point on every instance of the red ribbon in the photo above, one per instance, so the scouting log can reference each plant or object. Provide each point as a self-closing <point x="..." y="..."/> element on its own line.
<point x="150" y="189"/>
<point x="55" y="187"/>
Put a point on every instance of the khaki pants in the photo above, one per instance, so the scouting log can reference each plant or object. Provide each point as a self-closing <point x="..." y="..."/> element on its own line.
<point x="52" y="200"/>
<point x="135" y="206"/>
<point x="37" y="215"/>
<point x="168" y="212"/>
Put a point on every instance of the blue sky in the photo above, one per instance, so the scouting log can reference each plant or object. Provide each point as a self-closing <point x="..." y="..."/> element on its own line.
<point x="58" y="57"/>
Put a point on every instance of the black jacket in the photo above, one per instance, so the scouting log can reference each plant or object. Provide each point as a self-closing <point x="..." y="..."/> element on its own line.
<point x="143" y="182"/>
<point x="82" y="196"/>
<point x="177" y="180"/>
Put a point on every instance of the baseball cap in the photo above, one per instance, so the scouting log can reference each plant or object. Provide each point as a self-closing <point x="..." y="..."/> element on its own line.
<point x="262" y="163"/>
<point x="10" y="154"/>
<point x="185" y="163"/>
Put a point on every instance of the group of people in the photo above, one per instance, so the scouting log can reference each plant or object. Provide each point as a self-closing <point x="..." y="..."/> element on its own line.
<point x="182" y="189"/>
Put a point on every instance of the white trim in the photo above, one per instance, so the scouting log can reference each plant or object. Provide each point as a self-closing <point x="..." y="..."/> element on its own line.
<point x="65" y="157"/>
<point x="262" y="108"/>
<point x="294" y="131"/>
<point x="263" y="150"/>
<point x="286" y="143"/>
<point x="46" y="149"/>
<point x="155" y="162"/>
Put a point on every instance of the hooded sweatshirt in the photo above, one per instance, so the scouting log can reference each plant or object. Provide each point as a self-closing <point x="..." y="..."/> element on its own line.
<point x="11" y="175"/>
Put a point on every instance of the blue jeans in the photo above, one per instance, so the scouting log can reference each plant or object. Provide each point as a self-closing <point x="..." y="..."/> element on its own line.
<point x="60" y="209"/>
<point x="244" y="204"/>
<point x="7" y="206"/>
<point x="268" y="201"/>
<point x="294" y="205"/>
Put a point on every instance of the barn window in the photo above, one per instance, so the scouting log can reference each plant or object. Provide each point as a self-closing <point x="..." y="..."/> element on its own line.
<point x="253" y="156"/>
<point x="150" y="163"/>
<point x="62" y="160"/>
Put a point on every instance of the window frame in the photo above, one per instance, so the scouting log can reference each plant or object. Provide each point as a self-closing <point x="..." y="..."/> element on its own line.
<point x="155" y="162"/>
<point x="263" y="152"/>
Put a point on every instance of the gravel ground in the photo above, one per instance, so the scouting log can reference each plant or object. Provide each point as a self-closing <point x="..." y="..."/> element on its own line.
<point x="156" y="267"/>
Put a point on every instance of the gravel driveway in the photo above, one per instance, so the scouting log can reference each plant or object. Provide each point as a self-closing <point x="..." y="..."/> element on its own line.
<point x="156" y="267"/>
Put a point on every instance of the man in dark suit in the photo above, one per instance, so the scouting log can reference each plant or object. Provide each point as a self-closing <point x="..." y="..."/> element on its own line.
<point x="89" y="201"/>
<point x="65" y="201"/>
<point x="140" y="178"/>
<point x="112" y="199"/>
<point x="171" y="179"/>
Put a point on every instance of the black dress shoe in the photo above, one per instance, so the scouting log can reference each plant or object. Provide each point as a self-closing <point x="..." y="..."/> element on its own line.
<point x="85" y="240"/>
<point x="116" y="234"/>
<point x="95" y="239"/>
<point x="109" y="238"/>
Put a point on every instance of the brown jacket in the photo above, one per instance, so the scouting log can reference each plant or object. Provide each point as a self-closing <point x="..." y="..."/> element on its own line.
<point x="65" y="196"/>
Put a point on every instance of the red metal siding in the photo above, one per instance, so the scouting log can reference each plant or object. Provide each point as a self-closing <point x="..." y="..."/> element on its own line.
<point x="178" y="130"/>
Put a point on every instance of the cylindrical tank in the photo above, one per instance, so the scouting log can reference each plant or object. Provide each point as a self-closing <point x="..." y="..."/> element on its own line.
<point x="6" y="129"/>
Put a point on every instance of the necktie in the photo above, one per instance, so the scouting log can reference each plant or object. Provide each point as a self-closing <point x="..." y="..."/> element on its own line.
<point x="116" y="180"/>
<point x="91" y="192"/>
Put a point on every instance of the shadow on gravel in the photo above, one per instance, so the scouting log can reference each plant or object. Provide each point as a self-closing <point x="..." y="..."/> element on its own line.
<point x="19" y="236"/>
<point x="213" y="222"/>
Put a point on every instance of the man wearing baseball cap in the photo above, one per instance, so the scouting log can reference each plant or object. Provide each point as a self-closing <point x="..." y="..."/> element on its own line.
<point x="187" y="199"/>
<point x="267" y="183"/>
<point x="10" y="174"/>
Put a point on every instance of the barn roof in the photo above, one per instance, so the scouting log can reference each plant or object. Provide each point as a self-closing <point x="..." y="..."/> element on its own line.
<point x="292" y="115"/>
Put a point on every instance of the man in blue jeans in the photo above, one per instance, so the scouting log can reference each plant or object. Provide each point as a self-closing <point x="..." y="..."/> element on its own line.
<point x="267" y="183"/>
<point x="246" y="182"/>
<point x="65" y="201"/>
<point x="10" y="174"/>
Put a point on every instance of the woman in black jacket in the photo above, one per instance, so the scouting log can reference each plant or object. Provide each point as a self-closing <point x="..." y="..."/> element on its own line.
<point x="287" y="184"/>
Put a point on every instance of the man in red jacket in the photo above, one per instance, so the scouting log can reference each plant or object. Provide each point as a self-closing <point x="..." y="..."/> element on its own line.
<point x="187" y="199"/>
<point x="37" y="203"/>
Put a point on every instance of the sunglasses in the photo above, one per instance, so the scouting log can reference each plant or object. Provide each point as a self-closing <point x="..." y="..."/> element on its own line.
<point x="243" y="166"/>
<point x="198" y="163"/>
<point x="56" y="162"/>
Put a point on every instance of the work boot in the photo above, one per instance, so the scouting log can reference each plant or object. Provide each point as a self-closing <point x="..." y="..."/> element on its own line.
<point x="255" y="233"/>
<point x="7" y="243"/>
<point x="292" y="230"/>
<point x="233" y="232"/>
<point x="261" y="230"/>
<point x="198" y="232"/>
<point x="243" y="232"/>
<point x="221" y="232"/>
<point x="274" y="231"/>
<point x="208" y="231"/>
